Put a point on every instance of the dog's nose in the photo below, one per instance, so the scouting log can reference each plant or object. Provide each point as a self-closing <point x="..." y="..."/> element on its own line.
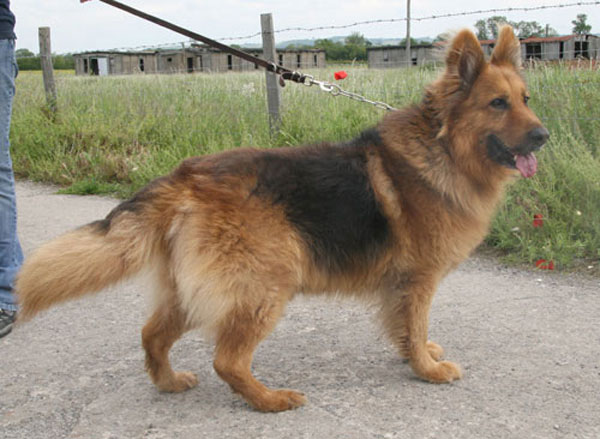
<point x="538" y="136"/>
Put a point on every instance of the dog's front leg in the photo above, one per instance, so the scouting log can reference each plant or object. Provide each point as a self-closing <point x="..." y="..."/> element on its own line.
<point x="406" y="320"/>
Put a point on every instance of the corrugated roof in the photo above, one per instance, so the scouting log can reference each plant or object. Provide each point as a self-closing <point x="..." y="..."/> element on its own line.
<point x="548" y="39"/>
<point x="541" y="39"/>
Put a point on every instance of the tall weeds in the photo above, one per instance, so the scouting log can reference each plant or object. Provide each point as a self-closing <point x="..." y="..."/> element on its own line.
<point x="114" y="134"/>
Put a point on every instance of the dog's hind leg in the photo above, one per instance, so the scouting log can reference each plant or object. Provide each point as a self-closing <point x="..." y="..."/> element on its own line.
<point x="237" y="338"/>
<point x="162" y="330"/>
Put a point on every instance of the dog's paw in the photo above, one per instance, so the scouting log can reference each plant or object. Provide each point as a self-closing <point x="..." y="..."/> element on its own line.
<point x="180" y="382"/>
<point x="435" y="350"/>
<point x="278" y="401"/>
<point x="442" y="372"/>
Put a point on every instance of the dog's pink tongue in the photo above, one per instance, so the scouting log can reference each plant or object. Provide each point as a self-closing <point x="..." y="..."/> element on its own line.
<point x="527" y="165"/>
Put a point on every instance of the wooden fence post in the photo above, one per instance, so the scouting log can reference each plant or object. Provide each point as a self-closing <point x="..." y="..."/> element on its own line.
<point x="407" y="45"/>
<point x="47" y="68"/>
<point x="273" y="92"/>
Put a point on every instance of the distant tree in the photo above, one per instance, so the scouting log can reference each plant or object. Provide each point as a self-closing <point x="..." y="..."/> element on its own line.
<point x="550" y="31"/>
<point x="333" y="50"/>
<point x="356" y="38"/>
<point x="59" y="62"/>
<point x="354" y="52"/>
<point x="527" y="29"/>
<point x="356" y="46"/>
<point x="24" y="53"/>
<point x="297" y="46"/>
<point x="488" y="29"/>
<point x="580" y="27"/>
<point x="482" y="31"/>
<point x="29" y="63"/>
<point x="493" y="25"/>
<point x="63" y="62"/>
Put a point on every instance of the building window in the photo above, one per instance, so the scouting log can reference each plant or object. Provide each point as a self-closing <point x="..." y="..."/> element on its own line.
<point x="85" y="65"/>
<point x="533" y="51"/>
<point x="561" y="50"/>
<point x="229" y="62"/>
<point x="141" y="64"/>
<point x="190" y="65"/>
<point x="94" y="66"/>
<point x="316" y="60"/>
<point x="280" y="59"/>
<point x="298" y="60"/>
<point x="581" y="49"/>
<point x="200" y="65"/>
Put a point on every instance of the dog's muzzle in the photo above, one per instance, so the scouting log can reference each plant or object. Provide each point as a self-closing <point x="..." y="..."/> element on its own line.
<point x="522" y="156"/>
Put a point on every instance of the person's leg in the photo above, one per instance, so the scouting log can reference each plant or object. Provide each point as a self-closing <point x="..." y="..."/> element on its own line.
<point x="11" y="255"/>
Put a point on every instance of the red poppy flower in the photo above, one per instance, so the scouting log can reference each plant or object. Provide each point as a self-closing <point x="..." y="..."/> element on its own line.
<point x="538" y="220"/>
<point x="340" y="75"/>
<point x="542" y="265"/>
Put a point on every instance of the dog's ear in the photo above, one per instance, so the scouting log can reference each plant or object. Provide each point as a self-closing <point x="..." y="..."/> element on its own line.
<point x="465" y="58"/>
<point x="508" y="49"/>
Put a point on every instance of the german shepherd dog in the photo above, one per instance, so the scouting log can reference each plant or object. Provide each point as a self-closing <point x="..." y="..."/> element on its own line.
<point x="232" y="237"/>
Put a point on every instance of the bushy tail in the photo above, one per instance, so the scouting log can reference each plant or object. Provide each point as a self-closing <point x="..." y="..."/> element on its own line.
<point x="82" y="262"/>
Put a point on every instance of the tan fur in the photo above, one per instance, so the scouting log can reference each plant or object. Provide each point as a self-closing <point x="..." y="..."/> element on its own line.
<point x="228" y="262"/>
<point x="80" y="262"/>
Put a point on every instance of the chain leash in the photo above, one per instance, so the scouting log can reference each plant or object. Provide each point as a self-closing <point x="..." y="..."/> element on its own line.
<point x="336" y="90"/>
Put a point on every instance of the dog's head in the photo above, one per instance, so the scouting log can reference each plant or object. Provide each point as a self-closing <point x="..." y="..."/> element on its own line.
<point x="485" y="104"/>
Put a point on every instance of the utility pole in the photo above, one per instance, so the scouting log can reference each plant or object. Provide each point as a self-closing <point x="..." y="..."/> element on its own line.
<point x="408" y="56"/>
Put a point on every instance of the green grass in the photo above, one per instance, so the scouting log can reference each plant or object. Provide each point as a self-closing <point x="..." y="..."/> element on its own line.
<point x="112" y="135"/>
<point x="566" y="190"/>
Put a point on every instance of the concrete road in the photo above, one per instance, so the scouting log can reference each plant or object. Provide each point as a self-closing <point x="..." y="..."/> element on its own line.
<point x="528" y="342"/>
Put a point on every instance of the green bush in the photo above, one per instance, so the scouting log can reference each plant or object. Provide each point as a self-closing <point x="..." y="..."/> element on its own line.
<point x="60" y="62"/>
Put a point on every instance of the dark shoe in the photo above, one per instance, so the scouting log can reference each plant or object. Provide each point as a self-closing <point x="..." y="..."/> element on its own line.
<point x="7" y="318"/>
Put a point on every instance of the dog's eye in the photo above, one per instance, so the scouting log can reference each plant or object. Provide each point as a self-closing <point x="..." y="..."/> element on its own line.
<point x="526" y="100"/>
<point x="499" y="104"/>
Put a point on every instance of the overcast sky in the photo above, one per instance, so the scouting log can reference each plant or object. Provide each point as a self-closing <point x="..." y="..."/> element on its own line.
<point x="96" y="26"/>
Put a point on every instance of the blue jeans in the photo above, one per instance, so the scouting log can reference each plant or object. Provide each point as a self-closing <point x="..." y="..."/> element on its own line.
<point x="11" y="255"/>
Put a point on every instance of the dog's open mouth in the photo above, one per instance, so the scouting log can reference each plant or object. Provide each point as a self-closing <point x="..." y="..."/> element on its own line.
<point x="526" y="162"/>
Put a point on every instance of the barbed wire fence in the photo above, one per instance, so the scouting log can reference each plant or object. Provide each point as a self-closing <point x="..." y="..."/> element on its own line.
<point x="379" y="57"/>
<point x="314" y="29"/>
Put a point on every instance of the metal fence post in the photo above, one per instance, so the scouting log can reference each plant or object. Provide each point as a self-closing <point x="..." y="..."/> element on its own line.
<point x="47" y="68"/>
<point x="269" y="54"/>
